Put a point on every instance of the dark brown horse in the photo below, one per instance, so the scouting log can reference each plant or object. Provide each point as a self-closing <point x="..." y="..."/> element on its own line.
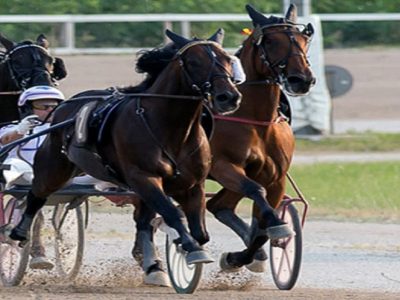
<point x="252" y="150"/>
<point x="22" y="66"/>
<point x="152" y="144"/>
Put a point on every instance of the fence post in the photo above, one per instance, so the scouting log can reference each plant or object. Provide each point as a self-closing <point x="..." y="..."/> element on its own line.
<point x="166" y="25"/>
<point x="68" y="35"/>
<point x="185" y="27"/>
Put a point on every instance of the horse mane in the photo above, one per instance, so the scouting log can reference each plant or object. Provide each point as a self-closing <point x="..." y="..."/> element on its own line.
<point x="152" y="62"/>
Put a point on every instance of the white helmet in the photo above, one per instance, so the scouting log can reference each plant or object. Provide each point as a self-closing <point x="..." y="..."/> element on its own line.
<point x="20" y="172"/>
<point x="40" y="92"/>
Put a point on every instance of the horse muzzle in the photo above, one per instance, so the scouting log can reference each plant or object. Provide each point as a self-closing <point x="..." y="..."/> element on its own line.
<point x="298" y="84"/>
<point x="227" y="101"/>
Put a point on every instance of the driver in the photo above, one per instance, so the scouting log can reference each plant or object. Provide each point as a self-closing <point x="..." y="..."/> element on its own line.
<point x="35" y="105"/>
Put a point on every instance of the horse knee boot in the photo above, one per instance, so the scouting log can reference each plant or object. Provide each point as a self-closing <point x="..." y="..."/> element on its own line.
<point x="21" y="231"/>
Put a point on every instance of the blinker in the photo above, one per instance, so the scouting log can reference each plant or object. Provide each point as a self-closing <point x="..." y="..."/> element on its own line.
<point x="238" y="74"/>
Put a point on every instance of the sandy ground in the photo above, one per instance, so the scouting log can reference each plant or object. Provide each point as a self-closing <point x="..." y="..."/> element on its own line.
<point x="340" y="261"/>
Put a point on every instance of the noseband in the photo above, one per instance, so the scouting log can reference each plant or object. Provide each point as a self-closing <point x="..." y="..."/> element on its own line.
<point x="21" y="78"/>
<point x="204" y="88"/>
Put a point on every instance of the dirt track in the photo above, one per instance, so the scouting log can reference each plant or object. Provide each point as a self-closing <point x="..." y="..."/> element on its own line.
<point x="340" y="261"/>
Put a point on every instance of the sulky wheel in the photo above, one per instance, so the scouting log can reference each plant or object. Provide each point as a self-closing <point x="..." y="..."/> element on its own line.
<point x="184" y="278"/>
<point x="285" y="254"/>
<point x="13" y="258"/>
<point x="69" y="240"/>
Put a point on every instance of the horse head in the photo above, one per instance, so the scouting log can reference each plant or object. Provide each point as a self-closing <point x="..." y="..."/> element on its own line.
<point x="29" y="64"/>
<point x="282" y="47"/>
<point x="206" y="69"/>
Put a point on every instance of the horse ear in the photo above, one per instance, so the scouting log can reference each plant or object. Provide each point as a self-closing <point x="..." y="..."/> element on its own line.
<point x="257" y="17"/>
<point x="291" y="13"/>
<point x="180" y="41"/>
<point x="218" y="36"/>
<point x="309" y="30"/>
<point x="59" y="71"/>
<point x="6" y="42"/>
<point x="42" y="41"/>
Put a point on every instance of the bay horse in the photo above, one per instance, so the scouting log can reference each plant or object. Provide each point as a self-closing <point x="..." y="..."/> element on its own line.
<point x="252" y="149"/>
<point x="24" y="65"/>
<point x="152" y="143"/>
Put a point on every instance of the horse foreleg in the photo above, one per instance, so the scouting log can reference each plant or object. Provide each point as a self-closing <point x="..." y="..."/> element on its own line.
<point x="258" y="234"/>
<point x="223" y="207"/>
<point x="149" y="188"/>
<point x="144" y="250"/>
<point x="37" y="248"/>
<point x="193" y="205"/>
<point x="234" y="178"/>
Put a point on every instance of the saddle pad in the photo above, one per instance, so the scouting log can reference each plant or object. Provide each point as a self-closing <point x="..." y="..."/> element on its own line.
<point x="81" y="123"/>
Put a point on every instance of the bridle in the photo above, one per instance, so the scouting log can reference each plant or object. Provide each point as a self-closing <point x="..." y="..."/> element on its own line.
<point x="203" y="88"/>
<point x="22" y="78"/>
<point x="277" y="67"/>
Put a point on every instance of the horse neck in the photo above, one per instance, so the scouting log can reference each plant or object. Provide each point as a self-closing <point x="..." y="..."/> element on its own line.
<point x="5" y="82"/>
<point x="185" y="113"/>
<point x="260" y="101"/>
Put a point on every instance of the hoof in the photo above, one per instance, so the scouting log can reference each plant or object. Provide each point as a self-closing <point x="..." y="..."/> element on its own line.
<point x="257" y="266"/>
<point x="279" y="232"/>
<point x="40" y="263"/>
<point x="157" y="278"/>
<point x="225" y="266"/>
<point x="197" y="257"/>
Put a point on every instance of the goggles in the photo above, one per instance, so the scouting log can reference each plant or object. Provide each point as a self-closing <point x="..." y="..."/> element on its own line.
<point x="44" y="106"/>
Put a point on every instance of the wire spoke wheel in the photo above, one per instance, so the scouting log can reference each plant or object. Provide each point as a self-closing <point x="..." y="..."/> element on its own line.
<point x="184" y="278"/>
<point x="286" y="254"/>
<point x="69" y="230"/>
<point x="13" y="258"/>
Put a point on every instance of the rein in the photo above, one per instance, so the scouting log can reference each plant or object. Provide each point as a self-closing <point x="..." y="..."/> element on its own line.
<point x="279" y="119"/>
<point x="177" y="97"/>
<point x="11" y="93"/>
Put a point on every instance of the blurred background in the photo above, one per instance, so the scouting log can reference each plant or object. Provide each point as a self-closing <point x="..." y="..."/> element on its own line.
<point x="354" y="52"/>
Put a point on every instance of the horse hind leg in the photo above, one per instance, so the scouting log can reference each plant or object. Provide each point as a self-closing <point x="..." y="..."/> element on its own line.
<point x="144" y="250"/>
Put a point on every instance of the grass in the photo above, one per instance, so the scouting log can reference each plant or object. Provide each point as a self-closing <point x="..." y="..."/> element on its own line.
<point x="338" y="191"/>
<point x="365" y="191"/>
<point x="346" y="191"/>
<point x="360" y="142"/>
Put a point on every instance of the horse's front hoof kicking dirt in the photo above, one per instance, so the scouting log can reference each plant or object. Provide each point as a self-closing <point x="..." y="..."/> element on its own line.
<point x="257" y="266"/>
<point x="197" y="257"/>
<point x="158" y="278"/>
<point x="225" y="266"/>
<point x="279" y="232"/>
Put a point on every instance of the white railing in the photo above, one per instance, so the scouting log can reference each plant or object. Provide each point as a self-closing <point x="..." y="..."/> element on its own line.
<point x="69" y="21"/>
